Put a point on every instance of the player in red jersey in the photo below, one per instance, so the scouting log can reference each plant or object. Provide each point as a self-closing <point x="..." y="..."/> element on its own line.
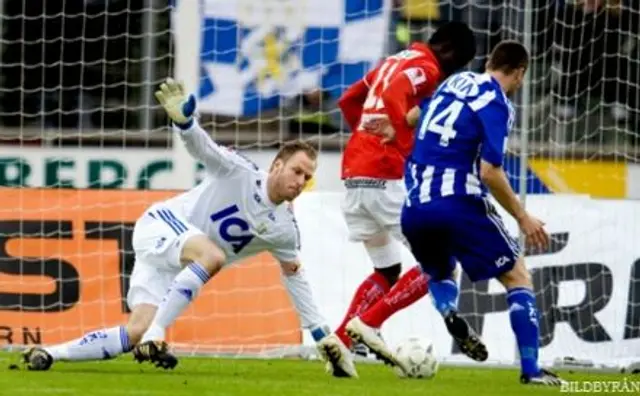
<point x="373" y="171"/>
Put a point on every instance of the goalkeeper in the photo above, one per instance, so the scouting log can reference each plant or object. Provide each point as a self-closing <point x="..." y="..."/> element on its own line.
<point x="180" y="244"/>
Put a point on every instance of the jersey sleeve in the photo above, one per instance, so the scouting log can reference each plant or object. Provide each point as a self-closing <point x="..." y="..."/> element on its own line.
<point x="493" y="115"/>
<point x="351" y="102"/>
<point x="407" y="88"/>
<point x="424" y="78"/>
<point x="288" y="250"/>
<point x="216" y="159"/>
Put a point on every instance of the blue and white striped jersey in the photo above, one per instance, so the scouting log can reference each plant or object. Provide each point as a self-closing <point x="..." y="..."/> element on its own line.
<point x="467" y="119"/>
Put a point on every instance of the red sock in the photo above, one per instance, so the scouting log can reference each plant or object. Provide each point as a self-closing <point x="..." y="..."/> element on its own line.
<point x="369" y="292"/>
<point x="409" y="289"/>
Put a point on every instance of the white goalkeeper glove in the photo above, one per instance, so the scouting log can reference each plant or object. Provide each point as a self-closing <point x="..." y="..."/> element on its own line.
<point x="179" y="106"/>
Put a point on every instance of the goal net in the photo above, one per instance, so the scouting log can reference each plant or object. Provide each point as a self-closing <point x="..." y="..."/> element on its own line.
<point x="84" y="150"/>
<point x="575" y="163"/>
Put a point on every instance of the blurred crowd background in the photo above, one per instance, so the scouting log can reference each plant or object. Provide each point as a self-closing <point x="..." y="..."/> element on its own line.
<point x="81" y="65"/>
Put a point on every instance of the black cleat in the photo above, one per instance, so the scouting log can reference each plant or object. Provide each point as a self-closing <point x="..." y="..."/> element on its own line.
<point x="156" y="352"/>
<point x="37" y="359"/>
<point x="468" y="340"/>
<point x="544" y="378"/>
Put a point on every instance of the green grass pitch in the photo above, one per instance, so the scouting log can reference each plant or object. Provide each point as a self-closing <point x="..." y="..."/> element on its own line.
<point x="221" y="377"/>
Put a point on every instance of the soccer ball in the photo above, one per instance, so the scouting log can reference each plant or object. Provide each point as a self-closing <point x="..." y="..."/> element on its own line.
<point x="419" y="356"/>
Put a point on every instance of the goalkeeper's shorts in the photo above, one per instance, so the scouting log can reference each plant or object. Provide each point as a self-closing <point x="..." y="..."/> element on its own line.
<point x="158" y="238"/>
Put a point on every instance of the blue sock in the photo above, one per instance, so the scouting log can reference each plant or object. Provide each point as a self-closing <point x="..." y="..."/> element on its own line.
<point x="524" y="322"/>
<point x="445" y="295"/>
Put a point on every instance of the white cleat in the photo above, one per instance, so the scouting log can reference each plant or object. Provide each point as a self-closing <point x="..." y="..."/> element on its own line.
<point x="338" y="357"/>
<point x="360" y="332"/>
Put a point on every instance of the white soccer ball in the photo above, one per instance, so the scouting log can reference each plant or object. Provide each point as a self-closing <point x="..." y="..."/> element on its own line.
<point x="419" y="356"/>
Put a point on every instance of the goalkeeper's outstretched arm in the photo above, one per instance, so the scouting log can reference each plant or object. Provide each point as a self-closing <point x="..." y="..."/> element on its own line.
<point x="180" y="108"/>
<point x="299" y="289"/>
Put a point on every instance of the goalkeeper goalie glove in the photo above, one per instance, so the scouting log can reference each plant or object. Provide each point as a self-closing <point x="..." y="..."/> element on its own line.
<point x="179" y="106"/>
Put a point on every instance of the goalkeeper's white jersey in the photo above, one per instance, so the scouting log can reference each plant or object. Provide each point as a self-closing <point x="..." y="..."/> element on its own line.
<point x="231" y="204"/>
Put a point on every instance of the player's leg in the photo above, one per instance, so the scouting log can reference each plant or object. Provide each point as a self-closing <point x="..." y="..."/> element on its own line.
<point x="424" y="242"/>
<point x="100" y="344"/>
<point x="445" y="293"/>
<point x="200" y="259"/>
<point x="179" y="248"/>
<point x="488" y="251"/>
<point x="147" y="285"/>
<point x="523" y="314"/>
<point x="369" y="291"/>
<point x="384" y="255"/>
<point x="409" y="288"/>
<point x="412" y="285"/>
<point x="448" y="213"/>
<point x="362" y="227"/>
<point x="382" y="207"/>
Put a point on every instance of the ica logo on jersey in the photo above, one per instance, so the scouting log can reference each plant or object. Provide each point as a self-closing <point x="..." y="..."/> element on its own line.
<point x="232" y="228"/>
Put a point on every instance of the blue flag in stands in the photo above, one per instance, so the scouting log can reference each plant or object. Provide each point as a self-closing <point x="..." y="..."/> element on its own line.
<point x="254" y="53"/>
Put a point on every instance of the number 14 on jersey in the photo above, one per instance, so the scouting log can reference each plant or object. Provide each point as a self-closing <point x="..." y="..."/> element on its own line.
<point x="442" y="122"/>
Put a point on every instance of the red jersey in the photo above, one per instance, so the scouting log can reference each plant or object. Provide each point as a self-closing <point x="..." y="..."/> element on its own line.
<point x="392" y="89"/>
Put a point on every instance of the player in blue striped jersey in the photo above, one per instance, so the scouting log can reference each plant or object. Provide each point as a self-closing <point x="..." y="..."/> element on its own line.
<point x="456" y="161"/>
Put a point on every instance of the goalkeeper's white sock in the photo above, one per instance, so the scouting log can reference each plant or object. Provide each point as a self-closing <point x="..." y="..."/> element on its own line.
<point x="183" y="290"/>
<point x="100" y="344"/>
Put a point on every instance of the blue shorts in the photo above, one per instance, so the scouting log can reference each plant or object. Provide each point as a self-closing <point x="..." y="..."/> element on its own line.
<point x="464" y="228"/>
